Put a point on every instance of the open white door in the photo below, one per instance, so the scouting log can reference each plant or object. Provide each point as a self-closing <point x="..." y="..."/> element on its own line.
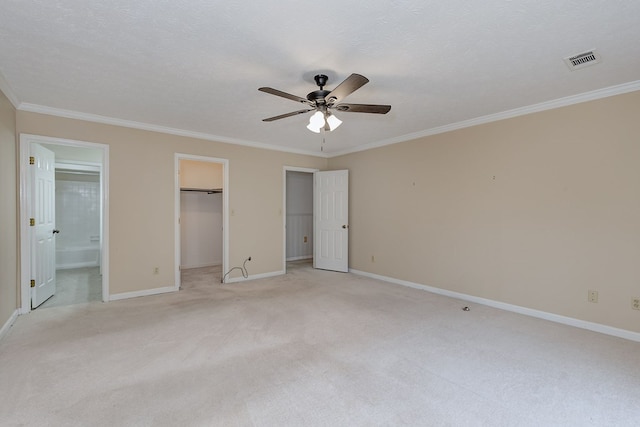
<point x="43" y="241"/>
<point x="331" y="220"/>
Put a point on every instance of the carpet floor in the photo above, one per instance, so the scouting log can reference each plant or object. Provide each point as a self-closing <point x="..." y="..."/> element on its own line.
<point x="312" y="348"/>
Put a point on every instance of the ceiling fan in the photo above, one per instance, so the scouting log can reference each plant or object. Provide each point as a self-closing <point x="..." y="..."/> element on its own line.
<point x="323" y="101"/>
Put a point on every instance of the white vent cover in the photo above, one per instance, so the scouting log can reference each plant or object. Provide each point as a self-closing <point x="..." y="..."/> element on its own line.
<point x="581" y="60"/>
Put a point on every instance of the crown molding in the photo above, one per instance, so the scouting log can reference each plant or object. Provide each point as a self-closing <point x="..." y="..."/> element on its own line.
<point x="8" y="92"/>
<point x="70" y="114"/>
<point x="543" y="106"/>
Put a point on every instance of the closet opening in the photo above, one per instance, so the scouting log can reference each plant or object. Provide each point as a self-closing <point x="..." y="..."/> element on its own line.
<point x="201" y="203"/>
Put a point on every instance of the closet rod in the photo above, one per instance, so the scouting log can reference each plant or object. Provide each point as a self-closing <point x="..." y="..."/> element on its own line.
<point x="203" y="190"/>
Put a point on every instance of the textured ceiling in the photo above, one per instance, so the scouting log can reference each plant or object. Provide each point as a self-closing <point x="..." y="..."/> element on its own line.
<point x="194" y="66"/>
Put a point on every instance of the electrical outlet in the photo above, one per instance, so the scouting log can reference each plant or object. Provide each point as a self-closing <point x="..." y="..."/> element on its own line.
<point x="373" y="258"/>
<point x="304" y="239"/>
<point x="156" y="270"/>
<point x="635" y="303"/>
<point x="592" y="296"/>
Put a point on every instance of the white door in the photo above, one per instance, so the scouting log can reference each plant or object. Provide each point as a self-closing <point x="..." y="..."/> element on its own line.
<point x="331" y="220"/>
<point x="43" y="241"/>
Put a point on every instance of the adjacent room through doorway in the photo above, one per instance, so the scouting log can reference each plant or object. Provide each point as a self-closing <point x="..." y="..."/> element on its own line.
<point x="298" y="216"/>
<point x="78" y="220"/>
<point x="63" y="203"/>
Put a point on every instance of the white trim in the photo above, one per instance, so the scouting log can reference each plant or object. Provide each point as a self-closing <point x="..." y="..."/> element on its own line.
<point x="583" y="324"/>
<point x="543" y="106"/>
<point x="548" y="105"/>
<point x="25" y="241"/>
<point x="8" y="92"/>
<point x="254" y="277"/>
<point x="286" y="169"/>
<point x="188" y="267"/>
<point x="225" y="210"/>
<point x="69" y="114"/>
<point x="25" y="203"/>
<point x="143" y="293"/>
<point x="7" y="325"/>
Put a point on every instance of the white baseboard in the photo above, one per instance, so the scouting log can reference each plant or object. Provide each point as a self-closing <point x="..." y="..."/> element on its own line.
<point x="255" y="276"/>
<point x="187" y="267"/>
<point x="583" y="324"/>
<point x="8" y="323"/>
<point x="146" y="292"/>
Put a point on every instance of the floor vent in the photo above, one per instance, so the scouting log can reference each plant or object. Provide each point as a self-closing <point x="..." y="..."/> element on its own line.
<point x="581" y="60"/>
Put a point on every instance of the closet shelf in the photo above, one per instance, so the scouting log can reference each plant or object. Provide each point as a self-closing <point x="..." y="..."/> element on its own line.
<point x="203" y="190"/>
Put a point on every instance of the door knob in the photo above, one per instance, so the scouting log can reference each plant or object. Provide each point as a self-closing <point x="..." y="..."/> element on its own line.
<point x="345" y="226"/>
<point x="56" y="231"/>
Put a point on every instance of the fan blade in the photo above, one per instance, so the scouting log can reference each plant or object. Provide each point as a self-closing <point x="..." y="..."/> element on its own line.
<point x="347" y="87"/>
<point x="363" y="108"/>
<point x="282" y="116"/>
<point x="277" y="92"/>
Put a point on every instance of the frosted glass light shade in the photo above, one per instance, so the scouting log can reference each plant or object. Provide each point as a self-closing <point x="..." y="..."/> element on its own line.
<point x="333" y="122"/>
<point x="316" y="122"/>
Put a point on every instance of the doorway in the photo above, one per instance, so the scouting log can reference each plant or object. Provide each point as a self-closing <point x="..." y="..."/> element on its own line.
<point x="298" y="215"/>
<point x="77" y="214"/>
<point x="201" y="204"/>
<point x="80" y="226"/>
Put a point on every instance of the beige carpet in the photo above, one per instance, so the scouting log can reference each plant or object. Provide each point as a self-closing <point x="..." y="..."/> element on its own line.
<point x="312" y="348"/>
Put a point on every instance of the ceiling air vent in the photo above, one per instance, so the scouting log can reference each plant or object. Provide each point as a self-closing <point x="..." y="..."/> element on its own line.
<point x="581" y="60"/>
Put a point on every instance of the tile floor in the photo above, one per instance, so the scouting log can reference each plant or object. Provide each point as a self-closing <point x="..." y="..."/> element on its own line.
<point x="76" y="286"/>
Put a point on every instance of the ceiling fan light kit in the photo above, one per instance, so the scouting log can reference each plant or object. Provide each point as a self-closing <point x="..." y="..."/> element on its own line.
<point x="333" y="122"/>
<point x="322" y="101"/>
<point x="316" y="122"/>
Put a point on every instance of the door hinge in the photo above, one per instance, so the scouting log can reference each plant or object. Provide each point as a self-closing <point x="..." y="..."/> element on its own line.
<point x="33" y="283"/>
<point x="32" y="222"/>
<point x="32" y="160"/>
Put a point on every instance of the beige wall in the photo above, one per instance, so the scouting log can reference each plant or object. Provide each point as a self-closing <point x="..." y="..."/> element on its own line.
<point x="532" y="211"/>
<point x="141" y="167"/>
<point x="202" y="175"/>
<point x="8" y="208"/>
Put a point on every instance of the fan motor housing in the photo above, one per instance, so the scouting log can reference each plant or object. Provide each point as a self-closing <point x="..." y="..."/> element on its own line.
<point x="318" y="95"/>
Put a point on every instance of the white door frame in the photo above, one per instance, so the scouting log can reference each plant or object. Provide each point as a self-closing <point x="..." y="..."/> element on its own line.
<point x="25" y="207"/>
<point x="286" y="169"/>
<point x="225" y="210"/>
